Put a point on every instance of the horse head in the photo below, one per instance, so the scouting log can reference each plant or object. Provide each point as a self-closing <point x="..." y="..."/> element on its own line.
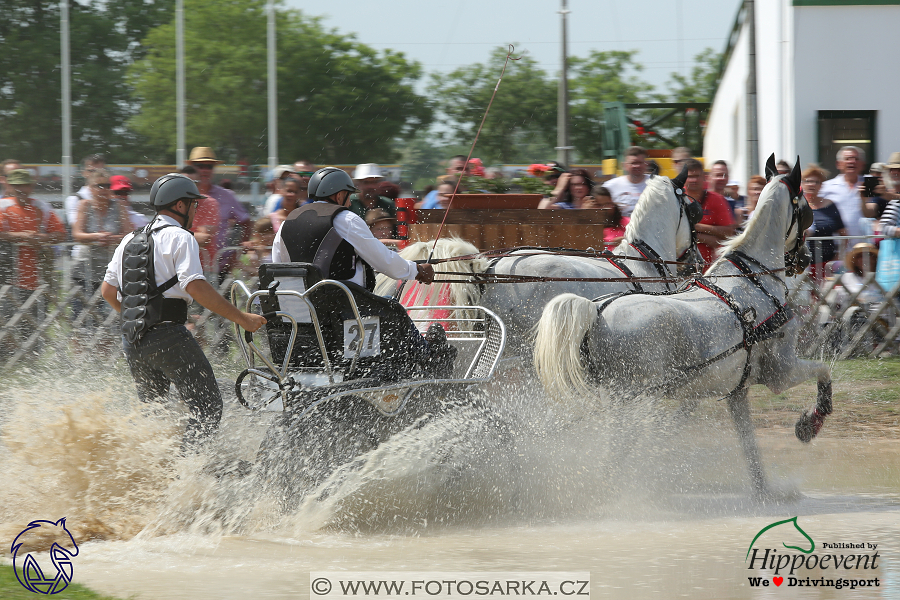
<point x="665" y="218"/>
<point x="774" y="234"/>
<point x="39" y="533"/>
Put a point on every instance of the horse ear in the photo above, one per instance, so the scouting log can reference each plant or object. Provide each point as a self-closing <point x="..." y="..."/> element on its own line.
<point x="793" y="180"/>
<point x="681" y="179"/>
<point x="771" y="169"/>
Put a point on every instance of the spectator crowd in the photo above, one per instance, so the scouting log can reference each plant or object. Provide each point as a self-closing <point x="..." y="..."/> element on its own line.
<point x="99" y="214"/>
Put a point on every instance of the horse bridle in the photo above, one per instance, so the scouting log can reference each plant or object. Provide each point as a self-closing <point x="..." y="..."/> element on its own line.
<point x="798" y="258"/>
<point x="692" y="212"/>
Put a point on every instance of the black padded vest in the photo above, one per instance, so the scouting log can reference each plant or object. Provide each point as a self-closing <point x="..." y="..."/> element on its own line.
<point x="143" y="304"/>
<point x="310" y="237"/>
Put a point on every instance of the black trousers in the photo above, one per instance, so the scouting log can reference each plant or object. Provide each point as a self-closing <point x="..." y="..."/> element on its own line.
<point x="166" y="354"/>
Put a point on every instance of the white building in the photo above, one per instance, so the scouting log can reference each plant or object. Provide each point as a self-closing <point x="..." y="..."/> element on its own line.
<point x="825" y="78"/>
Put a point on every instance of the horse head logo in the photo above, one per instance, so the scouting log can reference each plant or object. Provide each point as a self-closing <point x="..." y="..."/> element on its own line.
<point x="812" y="544"/>
<point x="62" y="550"/>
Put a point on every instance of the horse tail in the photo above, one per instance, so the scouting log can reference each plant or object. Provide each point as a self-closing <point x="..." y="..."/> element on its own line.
<point x="565" y="322"/>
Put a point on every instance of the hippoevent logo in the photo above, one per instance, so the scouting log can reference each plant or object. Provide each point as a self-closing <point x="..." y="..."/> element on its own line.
<point x="806" y="567"/>
<point x="46" y="580"/>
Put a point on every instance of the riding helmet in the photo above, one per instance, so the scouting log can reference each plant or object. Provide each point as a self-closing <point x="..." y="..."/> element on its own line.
<point x="171" y="188"/>
<point x="328" y="181"/>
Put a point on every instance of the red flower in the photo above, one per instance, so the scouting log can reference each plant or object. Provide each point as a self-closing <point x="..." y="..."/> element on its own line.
<point x="538" y="170"/>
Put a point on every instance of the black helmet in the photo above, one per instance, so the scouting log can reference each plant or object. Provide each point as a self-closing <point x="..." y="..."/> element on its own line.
<point x="328" y="181"/>
<point x="171" y="188"/>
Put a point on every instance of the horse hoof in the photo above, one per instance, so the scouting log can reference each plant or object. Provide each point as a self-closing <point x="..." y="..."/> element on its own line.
<point x="809" y="425"/>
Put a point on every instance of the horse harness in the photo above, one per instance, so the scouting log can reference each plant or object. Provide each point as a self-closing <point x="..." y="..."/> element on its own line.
<point x="647" y="253"/>
<point x="753" y="334"/>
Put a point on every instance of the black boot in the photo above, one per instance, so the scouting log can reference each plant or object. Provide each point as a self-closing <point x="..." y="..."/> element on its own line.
<point x="441" y="353"/>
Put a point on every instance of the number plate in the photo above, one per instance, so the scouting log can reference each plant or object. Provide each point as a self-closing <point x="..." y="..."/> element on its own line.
<point x="370" y="337"/>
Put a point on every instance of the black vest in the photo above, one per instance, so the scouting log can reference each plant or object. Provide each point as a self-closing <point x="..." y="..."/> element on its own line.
<point x="143" y="304"/>
<point x="310" y="237"/>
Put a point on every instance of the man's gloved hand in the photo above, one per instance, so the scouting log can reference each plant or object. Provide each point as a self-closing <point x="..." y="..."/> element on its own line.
<point x="426" y="273"/>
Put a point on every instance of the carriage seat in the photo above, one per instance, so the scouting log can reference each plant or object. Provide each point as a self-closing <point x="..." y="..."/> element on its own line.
<point x="390" y="351"/>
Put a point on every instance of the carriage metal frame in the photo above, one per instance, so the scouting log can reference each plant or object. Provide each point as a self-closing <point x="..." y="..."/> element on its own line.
<point x="486" y="331"/>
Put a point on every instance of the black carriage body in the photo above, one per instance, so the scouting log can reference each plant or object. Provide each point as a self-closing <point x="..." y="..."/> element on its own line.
<point x="402" y="350"/>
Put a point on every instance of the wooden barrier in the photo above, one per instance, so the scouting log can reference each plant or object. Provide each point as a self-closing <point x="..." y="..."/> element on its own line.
<point x="504" y="228"/>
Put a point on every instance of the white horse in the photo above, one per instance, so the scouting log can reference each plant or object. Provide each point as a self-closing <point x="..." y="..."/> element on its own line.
<point x="725" y="331"/>
<point x="661" y="229"/>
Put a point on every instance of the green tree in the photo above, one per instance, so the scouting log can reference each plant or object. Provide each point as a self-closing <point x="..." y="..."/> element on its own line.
<point x="607" y="76"/>
<point x="701" y="84"/>
<point x="424" y="160"/>
<point x="521" y="126"/>
<point x="30" y="75"/>
<point x="338" y="100"/>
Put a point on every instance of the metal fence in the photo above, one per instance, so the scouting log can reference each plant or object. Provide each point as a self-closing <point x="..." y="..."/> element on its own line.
<point x="60" y="317"/>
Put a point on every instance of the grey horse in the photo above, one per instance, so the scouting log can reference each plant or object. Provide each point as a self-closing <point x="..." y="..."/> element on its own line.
<point x="722" y="333"/>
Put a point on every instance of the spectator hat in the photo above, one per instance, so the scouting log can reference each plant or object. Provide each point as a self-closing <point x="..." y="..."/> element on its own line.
<point x="859" y="249"/>
<point x="281" y="170"/>
<point x="19" y="177"/>
<point x="367" y="171"/>
<point x="734" y="182"/>
<point x="119" y="182"/>
<point x="378" y="214"/>
<point x="894" y="161"/>
<point x="203" y="154"/>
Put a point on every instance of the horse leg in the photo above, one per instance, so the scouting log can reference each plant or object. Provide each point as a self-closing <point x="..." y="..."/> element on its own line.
<point x="810" y="423"/>
<point x="739" y="407"/>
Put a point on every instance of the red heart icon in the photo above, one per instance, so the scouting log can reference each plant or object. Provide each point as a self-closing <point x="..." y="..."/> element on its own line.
<point x="777" y="580"/>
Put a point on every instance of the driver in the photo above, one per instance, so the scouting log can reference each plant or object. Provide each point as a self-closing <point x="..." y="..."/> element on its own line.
<point x="329" y="235"/>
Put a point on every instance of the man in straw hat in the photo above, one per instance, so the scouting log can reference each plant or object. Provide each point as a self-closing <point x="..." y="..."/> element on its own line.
<point x="233" y="226"/>
<point x="367" y="176"/>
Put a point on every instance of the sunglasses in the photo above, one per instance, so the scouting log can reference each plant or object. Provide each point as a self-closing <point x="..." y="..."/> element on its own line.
<point x="204" y="166"/>
<point x="305" y="173"/>
<point x="122" y="192"/>
<point x="101" y="186"/>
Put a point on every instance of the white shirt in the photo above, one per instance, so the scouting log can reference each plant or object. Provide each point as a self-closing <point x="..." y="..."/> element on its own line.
<point x="847" y="200"/>
<point x="625" y="193"/>
<point x="355" y="231"/>
<point x="71" y="204"/>
<point x="271" y="202"/>
<point x="175" y="252"/>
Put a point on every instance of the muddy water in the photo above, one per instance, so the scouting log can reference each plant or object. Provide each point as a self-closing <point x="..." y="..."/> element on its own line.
<point x="651" y="507"/>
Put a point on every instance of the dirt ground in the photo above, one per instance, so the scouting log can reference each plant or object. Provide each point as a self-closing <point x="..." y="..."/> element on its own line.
<point x="866" y="395"/>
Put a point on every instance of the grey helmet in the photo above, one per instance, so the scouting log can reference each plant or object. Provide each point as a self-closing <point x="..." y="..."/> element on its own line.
<point x="328" y="181"/>
<point x="171" y="188"/>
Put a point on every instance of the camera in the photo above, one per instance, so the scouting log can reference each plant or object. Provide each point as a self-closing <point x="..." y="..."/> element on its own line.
<point x="870" y="182"/>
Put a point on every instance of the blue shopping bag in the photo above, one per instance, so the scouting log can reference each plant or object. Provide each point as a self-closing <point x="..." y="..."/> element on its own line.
<point x="887" y="273"/>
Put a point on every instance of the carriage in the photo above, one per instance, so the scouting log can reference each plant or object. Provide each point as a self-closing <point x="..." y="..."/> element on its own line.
<point x="338" y="365"/>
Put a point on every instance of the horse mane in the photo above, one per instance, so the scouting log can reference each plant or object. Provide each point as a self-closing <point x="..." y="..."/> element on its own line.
<point x="647" y="203"/>
<point x="761" y="218"/>
<point x="462" y="293"/>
